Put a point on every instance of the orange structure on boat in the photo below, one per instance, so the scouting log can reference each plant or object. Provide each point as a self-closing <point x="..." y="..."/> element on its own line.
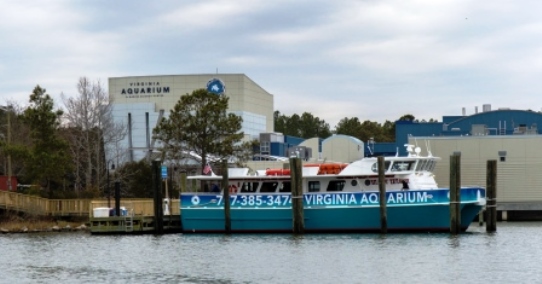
<point x="277" y="172"/>
<point x="328" y="168"/>
<point x="323" y="169"/>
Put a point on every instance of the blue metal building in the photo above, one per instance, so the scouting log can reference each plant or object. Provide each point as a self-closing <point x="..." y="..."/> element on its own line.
<point x="498" y="122"/>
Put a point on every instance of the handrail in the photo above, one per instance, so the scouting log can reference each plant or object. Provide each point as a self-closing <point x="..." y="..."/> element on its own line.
<point x="73" y="207"/>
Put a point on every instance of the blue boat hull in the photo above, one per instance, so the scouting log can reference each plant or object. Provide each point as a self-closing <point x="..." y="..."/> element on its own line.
<point x="430" y="216"/>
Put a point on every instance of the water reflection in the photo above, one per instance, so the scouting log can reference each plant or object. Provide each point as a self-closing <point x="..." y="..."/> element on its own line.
<point x="326" y="258"/>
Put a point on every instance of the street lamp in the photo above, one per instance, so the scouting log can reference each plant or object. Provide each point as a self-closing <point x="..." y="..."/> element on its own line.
<point x="112" y="171"/>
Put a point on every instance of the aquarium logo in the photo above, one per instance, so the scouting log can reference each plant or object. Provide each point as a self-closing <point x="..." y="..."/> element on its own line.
<point x="216" y="86"/>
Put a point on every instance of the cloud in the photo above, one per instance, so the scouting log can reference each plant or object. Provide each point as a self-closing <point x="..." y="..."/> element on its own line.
<point x="375" y="60"/>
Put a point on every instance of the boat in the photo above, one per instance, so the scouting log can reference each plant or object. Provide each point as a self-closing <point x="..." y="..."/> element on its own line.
<point x="341" y="198"/>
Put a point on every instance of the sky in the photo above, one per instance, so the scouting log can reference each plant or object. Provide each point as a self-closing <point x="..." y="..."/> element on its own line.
<point x="374" y="60"/>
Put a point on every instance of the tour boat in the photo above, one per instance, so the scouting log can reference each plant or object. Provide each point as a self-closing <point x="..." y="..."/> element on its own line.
<point x="337" y="197"/>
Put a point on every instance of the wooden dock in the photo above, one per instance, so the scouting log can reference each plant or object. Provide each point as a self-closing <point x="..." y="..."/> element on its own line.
<point x="137" y="218"/>
<point x="133" y="224"/>
<point x="18" y="202"/>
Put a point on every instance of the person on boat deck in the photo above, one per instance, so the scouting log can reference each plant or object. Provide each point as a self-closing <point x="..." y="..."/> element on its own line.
<point x="215" y="188"/>
<point x="405" y="185"/>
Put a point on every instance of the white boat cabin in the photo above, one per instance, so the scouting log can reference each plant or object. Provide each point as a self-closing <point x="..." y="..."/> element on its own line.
<point x="402" y="173"/>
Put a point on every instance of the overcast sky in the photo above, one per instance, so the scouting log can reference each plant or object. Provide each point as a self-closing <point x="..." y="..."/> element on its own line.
<point x="375" y="60"/>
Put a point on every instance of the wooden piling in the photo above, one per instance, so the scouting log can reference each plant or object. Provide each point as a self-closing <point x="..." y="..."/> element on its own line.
<point x="183" y="182"/>
<point x="455" y="194"/>
<point x="226" y="197"/>
<point x="296" y="179"/>
<point x="117" y="198"/>
<point x="382" y="190"/>
<point x="157" y="189"/>
<point x="491" y="196"/>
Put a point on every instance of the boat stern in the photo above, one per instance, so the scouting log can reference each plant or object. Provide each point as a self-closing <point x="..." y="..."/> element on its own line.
<point x="481" y="197"/>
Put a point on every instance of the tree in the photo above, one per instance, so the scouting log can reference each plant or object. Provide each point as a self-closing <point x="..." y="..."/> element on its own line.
<point x="304" y="126"/>
<point x="91" y="133"/>
<point x="371" y="129"/>
<point x="20" y="140"/>
<point x="366" y="130"/>
<point x="245" y="151"/>
<point x="407" y="117"/>
<point x="136" y="179"/>
<point x="293" y="126"/>
<point x="47" y="161"/>
<point x="199" y="123"/>
<point x="388" y="131"/>
<point x="349" y="126"/>
<point x="311" y="126"/>
<point x="279" y="121"/>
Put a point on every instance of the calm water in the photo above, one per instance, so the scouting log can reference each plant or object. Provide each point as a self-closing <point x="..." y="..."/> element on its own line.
<point x="513" y="254"/>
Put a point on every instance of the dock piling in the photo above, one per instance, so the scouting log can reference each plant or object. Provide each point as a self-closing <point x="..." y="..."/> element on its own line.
<point x="491" y="196"/>
<point x="226" y="197"/>
<point x="455" y="193"/>
<point x="296" y="178"/>
<point x="382" y="190"/>
<point x="183" y="182"/>
<point x="157" y="189"/>
<point x="117" y="198"/>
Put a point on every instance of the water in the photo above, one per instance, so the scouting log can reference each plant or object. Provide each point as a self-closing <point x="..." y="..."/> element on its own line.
<point x="511" y="255"/>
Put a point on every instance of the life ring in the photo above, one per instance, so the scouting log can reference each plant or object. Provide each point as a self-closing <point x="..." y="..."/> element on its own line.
<point x="233" y="188"/>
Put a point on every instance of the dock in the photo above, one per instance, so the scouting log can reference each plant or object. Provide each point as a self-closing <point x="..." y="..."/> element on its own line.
<point x="133" y="224"/>
<point x="136" y="217"/>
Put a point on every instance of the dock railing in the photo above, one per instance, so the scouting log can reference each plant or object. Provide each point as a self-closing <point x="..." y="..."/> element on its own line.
<point x="73" y="207"/>
<point x="139" y="206"/>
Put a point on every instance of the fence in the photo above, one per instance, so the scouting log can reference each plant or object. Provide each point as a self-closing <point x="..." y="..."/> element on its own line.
<point x="73" y="207"/>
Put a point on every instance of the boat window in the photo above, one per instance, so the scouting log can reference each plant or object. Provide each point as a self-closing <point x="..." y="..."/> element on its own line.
<point x="314" y="186"/>
<point x="431" y="165"/>
<point x="421" y="165"/>
<point x="374" y="167"/>
<point x="402" y="166"/>
<point x="249" y="186"/>
<point x="269" y="186"/>
<point x="285" y="187"/>
<point x="427" y="165"/>
<point x="354" y="182"/>
<point x="336" y="185"/>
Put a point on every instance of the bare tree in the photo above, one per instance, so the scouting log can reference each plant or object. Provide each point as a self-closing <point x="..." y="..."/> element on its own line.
<point x="93" y="133"/>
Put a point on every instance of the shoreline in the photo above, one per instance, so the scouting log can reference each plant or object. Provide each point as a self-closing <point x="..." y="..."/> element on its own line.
<point x="20" y="225"/>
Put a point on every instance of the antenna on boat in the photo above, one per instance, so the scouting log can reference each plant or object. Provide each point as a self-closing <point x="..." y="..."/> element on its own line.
<point x="409" y="149"/>
<point x="428" y="146"/>
<point x="371" y="145"/>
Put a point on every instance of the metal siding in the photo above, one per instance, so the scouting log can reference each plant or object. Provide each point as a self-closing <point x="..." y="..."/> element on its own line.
<point x="519" y="177"/>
